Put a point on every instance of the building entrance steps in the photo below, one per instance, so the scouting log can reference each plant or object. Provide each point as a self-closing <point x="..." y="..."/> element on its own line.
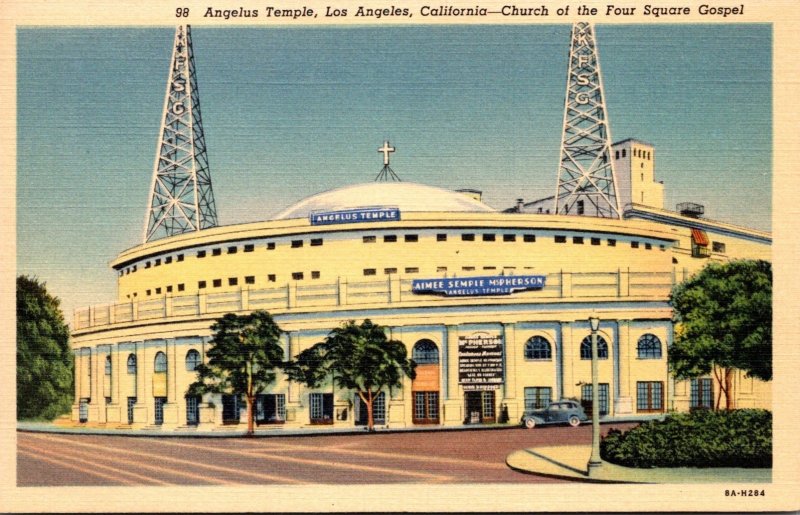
<point x="570" y="462"/>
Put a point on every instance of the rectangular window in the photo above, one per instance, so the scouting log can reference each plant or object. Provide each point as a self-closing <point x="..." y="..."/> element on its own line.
<point x="468" y="268"/>
<point x="537" y="397"/>
<point x="412" y="270"/>
<point x="441" y="237"/>
<point x="271" y="245"/>
<point x="595" y="241"/>
<point x="233" y="250"/>
<point x="490" y="268"/>
<point x="577" y="240"/>
<point x="233" y="281"/>
<point x="378" y="410"/>
<point x="180" y="257"/>
<point x="316" y="242"/>
<point x="488" y="237"/>
<point x="616" y="154"/>
<point x="250" y="279"/>
<point x="169" y="289"/>
<point x="168" y="260"/>
<point x="649" y="396"/>
<point x="529" y="238"/>
<point x="487" y="404"/>
<point x="133" y="269"/>
<point x="321" y="408"/>
<point x="217" y="283"/>
<point x="369" y="271"/>
<point x="159" y="410"/>
<point x="623" y="152"/>
<point x="216" y="252"/>
<point x="296" y="244"/>
<point x="390" y="238"/>
<point x="441" y="269"/>
<point x="468" y="237"/>
<point x="201" y="284"/>
<point x="411" y="238"/>
<point x="580" y="207"/>
<point x="509" y="237"/>
<point x="648" y="246"/>
<point x="148" y="292"/>
<point x="158" y="291"/>
<point x="230" y="409"/>
<point x="701" y="394"/>
<point x="369" y="239"/>
<point x="315" y="274"/>
<point x="297" y="276"/>
<point x="586" y="399"/>
<point x="560" y="239"/>
<point x="634" y="244"/>
<point x="181" y="287"/>
<point x="388" y="271"/>
<point x="271" y="278"/>
<point x="612" y="242"/>
<point x="270" y="408"/>
<point x="718" y="247"/>
<point x="249" y="247"/>
<point x="147" y="265"/>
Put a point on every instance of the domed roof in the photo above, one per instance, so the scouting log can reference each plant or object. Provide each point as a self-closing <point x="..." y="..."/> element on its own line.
<point x="407" y="196"/>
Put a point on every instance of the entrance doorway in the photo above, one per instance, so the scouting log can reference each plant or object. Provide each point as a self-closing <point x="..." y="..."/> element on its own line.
<point x="159" y="405"/>
<point x="479" y="407"/>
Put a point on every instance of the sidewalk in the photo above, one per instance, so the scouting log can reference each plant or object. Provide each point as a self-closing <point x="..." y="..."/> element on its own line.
<point x="569" y="462"/>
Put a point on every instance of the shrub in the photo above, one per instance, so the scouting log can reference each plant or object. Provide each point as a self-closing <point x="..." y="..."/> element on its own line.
<point x="737" y="438"/>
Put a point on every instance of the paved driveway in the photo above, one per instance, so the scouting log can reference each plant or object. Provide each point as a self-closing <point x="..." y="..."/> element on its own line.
<point x="45" y="459"/>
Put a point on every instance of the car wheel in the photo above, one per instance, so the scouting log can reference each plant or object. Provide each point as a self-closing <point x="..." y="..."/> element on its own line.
<point x="574" y="421"/>
<point x="530" y="423"/>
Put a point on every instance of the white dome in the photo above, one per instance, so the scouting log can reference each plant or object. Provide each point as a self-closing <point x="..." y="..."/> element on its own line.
<point x="407" y="196"/>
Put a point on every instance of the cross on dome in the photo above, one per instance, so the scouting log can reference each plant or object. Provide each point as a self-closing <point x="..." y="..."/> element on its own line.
<point x="386" y="150"/>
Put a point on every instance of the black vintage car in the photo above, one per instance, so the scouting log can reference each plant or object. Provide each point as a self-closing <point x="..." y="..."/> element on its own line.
<point x="560" y="412"/>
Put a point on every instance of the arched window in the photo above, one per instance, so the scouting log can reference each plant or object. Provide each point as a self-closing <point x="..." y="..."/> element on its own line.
<point x="586" y="348"/>
<point x="132" y="363"/>
<point x="161" y="362"/>
<point x="192" y="360"/>
<point x="425" y="352"/>
<point x="538" y="348"/>
<point x="108" y="365"/>
<point x="649" y="347"/>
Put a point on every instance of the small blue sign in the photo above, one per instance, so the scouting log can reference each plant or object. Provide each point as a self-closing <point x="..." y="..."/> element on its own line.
<point x="476" y="286"/>
<point x="354" y="216"/>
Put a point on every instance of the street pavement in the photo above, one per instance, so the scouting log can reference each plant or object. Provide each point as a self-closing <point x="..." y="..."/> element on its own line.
<point x="436" y="457"/>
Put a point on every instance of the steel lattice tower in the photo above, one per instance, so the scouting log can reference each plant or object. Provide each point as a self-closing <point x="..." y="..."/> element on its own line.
<point x="181" y="198"/>
<point x="586" y="181"/>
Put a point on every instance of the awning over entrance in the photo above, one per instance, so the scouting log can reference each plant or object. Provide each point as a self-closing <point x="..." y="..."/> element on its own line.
<point x="699" y="237"/>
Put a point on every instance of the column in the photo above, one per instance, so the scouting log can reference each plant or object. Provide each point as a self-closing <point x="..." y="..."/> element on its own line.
<point x="510" y="353"/>
<point x="453" y="405"/>
<point x="623" y="402"/>
<point x="96" y="386"/>
<point x="568" y="358"/>
<point x="144" y="386"/>
<point x="171" y="415"/>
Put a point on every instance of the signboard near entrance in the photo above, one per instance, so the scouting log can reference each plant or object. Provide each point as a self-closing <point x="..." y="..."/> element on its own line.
<point x="480" y="362"/>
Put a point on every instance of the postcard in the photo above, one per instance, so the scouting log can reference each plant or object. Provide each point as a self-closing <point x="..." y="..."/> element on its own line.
<point x="343" y="256"/>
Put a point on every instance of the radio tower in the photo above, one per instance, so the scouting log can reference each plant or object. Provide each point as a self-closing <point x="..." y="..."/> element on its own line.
<point x="586" y="181"/>
<point x="181" y="199"/>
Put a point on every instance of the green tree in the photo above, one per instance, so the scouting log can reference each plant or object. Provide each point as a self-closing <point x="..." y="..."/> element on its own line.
<point x="44" y="359"/>
<point x="723" y="321"/>
<point x="357" y="357"/>
<point x="243" y="358"/>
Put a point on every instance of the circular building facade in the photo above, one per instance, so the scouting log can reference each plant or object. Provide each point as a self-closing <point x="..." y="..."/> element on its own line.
<point x="445" y="273"/>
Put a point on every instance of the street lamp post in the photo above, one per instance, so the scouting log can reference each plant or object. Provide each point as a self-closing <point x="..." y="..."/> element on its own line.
<point x="594" y="460"/>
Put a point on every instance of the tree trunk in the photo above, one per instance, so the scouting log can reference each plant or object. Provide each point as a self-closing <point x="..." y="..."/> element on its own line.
<point x="729" y="404"/>
<point x="370" y="422"/>
<point x="250" y="425"/>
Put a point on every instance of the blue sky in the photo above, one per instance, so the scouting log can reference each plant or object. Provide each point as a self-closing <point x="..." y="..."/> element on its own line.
<point x="293" y="111"/>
